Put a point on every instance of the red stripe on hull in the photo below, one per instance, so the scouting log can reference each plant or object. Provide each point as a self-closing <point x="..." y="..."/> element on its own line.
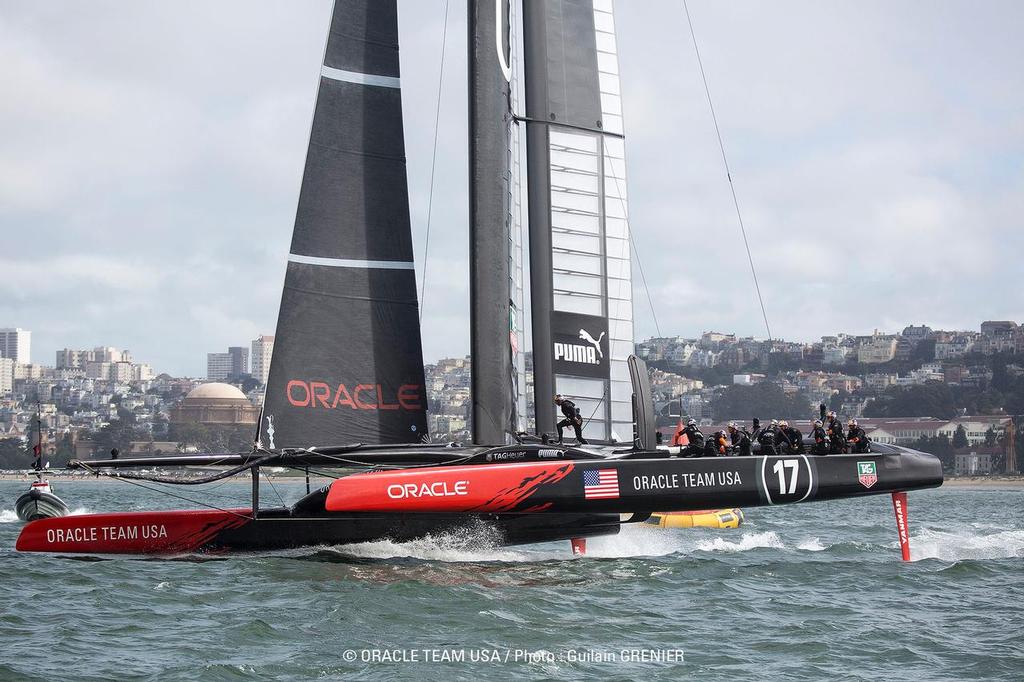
<point x="152" y="532"/>
<point x="495" y="488"/>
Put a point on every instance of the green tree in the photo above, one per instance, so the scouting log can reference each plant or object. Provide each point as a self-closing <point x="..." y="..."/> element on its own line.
<point x="117" y="434"/>
<point x="940" y="447"/>
<point x="764" y="400"/>
<point x="14" y="454"/>
<point x="213" y="438"/>
<point x="990" y="437"/>
<point x="960" y="437"/>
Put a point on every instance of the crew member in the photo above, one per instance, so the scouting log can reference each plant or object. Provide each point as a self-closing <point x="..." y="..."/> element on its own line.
<point x="795" y="438"/>
<point x="821" y="445"/>
<point x="783" y="444"/>
<point x="856" y="438"/>
<point x="740" y="439"/>
<point x="694" y="440"/>
<point x="766" y="439"/>
<point x="573" y="418"/>
<point x="717" y="445"/>
<point x="836" y="435"/>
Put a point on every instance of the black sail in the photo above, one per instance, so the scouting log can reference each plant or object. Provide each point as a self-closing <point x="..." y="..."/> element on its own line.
<point x="348" y="362"/>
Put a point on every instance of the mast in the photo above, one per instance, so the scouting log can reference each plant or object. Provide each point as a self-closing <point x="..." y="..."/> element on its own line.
<point x="347" y="365"/>
<point x="496" y="273"/>
<point x="581" y="289"/>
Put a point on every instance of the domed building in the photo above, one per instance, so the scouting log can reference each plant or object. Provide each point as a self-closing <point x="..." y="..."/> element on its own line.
<point x="215" y="403"/>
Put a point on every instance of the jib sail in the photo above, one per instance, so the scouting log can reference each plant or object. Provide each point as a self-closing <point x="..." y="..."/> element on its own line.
<point x="348" y="362"/>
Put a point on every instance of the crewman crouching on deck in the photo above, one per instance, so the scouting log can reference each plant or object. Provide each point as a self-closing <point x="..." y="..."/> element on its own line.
<point x="794" y="439"/>
<point x="694" y="439"/>
<point x="740" y="439"/>
<point x="573" y="418"/>
<point x="857" y="438"/>
<point x="717" y="445"/>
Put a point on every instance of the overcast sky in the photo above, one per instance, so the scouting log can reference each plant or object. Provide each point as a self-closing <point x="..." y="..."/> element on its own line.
<point x="151" y="154"/>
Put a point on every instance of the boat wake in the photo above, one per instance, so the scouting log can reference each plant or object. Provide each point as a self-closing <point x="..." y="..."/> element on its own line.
<point x="8" y="516"/>
<point x="962" y="545"/>
<point x="482" y="544"/>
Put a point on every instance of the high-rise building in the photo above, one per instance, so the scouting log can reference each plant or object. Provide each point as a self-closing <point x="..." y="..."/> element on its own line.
<point x="262" y="350"/>
<point x="239" y="360"/>
<point x="234" y="363"/>
<point x="6" y="376"/>
<point x="16" y="344"/>
<point x="218" y="366"/>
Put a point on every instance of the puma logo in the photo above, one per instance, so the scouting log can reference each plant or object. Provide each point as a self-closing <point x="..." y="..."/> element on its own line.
<point x="585" y="336"/>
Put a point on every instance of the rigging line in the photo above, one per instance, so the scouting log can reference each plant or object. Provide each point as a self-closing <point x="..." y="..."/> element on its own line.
<point x="165" y="492"/>
<point x="273" y="487"/>
<point x="433" y="160"/>
<point x="639" y="262"/>
<point x="728" y="173"/>
<point x="373" y="465"/>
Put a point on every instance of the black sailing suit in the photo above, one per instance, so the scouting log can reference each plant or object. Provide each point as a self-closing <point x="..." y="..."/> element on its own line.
<point x="740" y="441"/>
<point x="573" y="419"/>
<point x="837" y="437"/>
<point x="820" y="441"/>
<point x="858" y="440"/>
<point x="767" y="439"/>
<point x="796" y="439"/>
<point x="695" y="441"/>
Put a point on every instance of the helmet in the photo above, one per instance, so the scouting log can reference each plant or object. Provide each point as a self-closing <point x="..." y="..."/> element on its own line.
<point x="784" y="423"/>
<point x="692" y="422"/>
<point x="852" y="422"/>
<point x="558" y="398"/>
<point x="817" y="422"/>
<point x="832" y="414"/>
<point x="775" y="422"/>
<point x="732" y="426"/>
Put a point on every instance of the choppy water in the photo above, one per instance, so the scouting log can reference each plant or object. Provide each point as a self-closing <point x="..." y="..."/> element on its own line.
<point x="803" y="592"/>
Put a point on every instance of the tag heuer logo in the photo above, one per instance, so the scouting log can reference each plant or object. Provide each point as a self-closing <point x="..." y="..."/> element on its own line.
<point x="867" y="474"/>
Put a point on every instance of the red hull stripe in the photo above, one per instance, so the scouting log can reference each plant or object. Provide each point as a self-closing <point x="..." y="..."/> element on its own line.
<point x="153" y="532"/>
<point x="495" y="488"/>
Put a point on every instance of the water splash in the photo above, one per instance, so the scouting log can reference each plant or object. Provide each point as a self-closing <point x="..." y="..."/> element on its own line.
<point x="958" y="545"/>
<point x="474" y="542"/>
<point x="8" y="516"/>
<point x="747" y="542"/>
<point x="637" y="540"/>
<point x="812" y="545"/>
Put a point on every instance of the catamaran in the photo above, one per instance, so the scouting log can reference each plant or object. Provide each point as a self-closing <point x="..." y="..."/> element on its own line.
<point x="346" y="390"/>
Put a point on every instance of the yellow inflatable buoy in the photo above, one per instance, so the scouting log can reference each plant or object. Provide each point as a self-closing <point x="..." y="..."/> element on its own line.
<point x="713" y="518"/>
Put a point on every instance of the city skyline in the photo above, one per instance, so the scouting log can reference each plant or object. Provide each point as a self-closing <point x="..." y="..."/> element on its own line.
<point x="875" y="150"/>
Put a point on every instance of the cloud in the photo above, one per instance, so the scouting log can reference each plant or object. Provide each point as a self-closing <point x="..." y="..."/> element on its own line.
<point x="148" y="178"/>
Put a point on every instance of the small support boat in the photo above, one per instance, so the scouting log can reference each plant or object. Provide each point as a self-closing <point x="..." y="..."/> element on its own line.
<point x="40" y="502"/>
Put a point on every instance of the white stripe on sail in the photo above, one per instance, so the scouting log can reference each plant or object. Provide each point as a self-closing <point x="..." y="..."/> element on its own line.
<point x="361" y="78"/>
<point x="352" y="263"/>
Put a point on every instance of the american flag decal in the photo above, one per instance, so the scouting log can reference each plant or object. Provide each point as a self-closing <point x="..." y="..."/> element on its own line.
<point x="600" y="484"/>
